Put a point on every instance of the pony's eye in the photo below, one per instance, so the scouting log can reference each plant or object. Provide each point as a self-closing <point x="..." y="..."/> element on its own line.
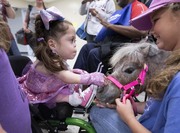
<point x="129" y="70"/>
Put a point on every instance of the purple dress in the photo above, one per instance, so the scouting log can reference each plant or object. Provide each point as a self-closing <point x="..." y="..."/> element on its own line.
<point x="14" y="108"/>
<point x="42" y="88"/>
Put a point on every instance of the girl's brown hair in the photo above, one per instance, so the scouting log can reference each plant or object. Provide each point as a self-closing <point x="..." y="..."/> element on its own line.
<point x="158" y="85"/>
<point x="57" y="29"/>
<point x="5" y="38"/>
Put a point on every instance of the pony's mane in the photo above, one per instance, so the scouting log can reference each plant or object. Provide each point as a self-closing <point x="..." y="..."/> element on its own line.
<point x="131" y="50"/>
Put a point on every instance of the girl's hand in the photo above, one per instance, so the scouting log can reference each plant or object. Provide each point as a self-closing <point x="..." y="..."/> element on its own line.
<point x="125" y="110"/>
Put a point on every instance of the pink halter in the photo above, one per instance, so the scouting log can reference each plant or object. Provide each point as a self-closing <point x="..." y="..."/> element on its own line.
<point x="131" y="85"/>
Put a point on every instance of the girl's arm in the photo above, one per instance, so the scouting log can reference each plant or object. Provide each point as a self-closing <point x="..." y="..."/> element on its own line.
<point x="69" y="77"/>
<point x="84" y="78"/>
<point x="127" y="115"/>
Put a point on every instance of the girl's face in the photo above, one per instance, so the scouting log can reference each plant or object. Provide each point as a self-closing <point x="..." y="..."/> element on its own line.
<point x="166" y="29"/>
<point x="66" y="45"/>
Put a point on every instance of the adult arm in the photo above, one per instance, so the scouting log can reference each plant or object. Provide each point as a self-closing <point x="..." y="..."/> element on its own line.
<point x="128" y="31"/>
<point x="126" y="113"/>
<point x="84" y="7"/>
<point x="25" y="24"/>
<point x="10" y="13"/>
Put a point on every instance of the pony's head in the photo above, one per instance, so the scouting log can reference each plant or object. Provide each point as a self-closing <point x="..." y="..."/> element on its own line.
<point x="134" y="62"/>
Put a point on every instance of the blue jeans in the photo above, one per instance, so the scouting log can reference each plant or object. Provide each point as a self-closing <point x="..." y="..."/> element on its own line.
<point x="14" y="49"/>
<point x="107" y="120"/>
<point x="89" y="58"/>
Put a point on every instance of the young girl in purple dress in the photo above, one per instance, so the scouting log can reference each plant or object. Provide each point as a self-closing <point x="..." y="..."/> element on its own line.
<point x="50" y="80"/>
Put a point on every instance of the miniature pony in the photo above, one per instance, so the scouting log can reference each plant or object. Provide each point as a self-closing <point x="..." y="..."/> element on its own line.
<point x="132" y="63"/>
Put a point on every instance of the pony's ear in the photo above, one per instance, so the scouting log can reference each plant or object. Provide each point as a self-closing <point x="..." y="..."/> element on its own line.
<point x="150" y="50"/>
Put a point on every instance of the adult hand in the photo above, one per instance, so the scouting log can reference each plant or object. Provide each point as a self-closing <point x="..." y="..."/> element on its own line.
<point x="26" y="30"/>
<point x="125" y="110"/>
<point x="104" y="22"/>
<point x="93" y="11"/>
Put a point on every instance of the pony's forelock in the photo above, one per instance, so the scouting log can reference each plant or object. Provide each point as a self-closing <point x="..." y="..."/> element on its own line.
<point x="130" y="51"/>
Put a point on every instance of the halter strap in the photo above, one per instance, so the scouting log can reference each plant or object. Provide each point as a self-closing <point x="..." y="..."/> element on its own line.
<point x="139" y="80"/>
<point x="115" y="81"/>
<point x="131" y="85"/>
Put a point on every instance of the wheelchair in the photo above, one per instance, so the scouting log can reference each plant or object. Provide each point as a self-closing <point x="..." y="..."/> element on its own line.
<point x="55" y="119"/>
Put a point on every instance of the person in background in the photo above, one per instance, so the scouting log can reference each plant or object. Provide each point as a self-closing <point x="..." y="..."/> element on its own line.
<point x="104" y="8"/>
<point x="14" y="107"/>
<point x="29" y="22"/>
<point x="7" y="11"/>
<point x="160" y="114"/>
<point x="90" y="56"/>
<point x="50" y="80"/>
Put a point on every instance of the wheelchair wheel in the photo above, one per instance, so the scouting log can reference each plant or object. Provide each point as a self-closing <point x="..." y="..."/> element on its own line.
<point x="85" y="127"/>
<point x="57" y="119"/>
